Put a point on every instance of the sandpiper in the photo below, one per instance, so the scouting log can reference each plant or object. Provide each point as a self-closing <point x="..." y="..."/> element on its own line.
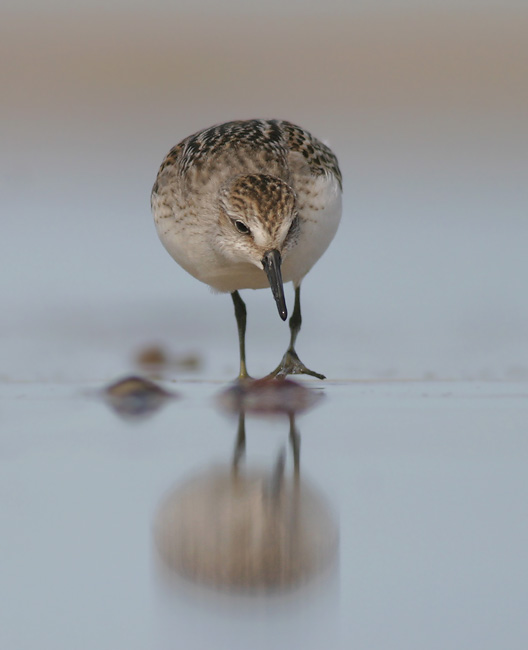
<point x="250" y="204"/>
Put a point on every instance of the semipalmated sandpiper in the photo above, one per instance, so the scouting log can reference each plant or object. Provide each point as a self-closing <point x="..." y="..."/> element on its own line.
<point x="250" y="204"/>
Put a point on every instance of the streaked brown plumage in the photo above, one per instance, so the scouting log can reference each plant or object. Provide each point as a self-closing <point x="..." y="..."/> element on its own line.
<point x="246" y="205"/>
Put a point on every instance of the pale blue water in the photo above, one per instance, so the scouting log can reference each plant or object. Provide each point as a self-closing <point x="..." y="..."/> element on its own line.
<point x="427" y="482"/>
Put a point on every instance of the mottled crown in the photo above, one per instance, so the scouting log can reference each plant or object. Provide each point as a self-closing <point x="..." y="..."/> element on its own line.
<point x="265" y="197"/>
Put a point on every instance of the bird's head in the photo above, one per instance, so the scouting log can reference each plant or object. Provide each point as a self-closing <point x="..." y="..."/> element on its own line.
<point x="259" y="225"/>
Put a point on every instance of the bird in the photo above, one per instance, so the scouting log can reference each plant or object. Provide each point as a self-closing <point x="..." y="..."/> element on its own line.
<point x="250" y="204"/>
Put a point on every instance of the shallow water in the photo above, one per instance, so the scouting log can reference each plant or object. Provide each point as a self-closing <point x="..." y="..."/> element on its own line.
<point x="426" y="484"/>
<point x="422" y="484"/>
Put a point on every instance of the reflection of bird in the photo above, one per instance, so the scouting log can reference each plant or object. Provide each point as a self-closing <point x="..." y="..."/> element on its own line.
<point x="246" y="204"/>
<point x="249" y="529"/>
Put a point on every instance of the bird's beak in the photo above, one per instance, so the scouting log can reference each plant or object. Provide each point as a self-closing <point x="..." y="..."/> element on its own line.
<point x="271" y="263"/>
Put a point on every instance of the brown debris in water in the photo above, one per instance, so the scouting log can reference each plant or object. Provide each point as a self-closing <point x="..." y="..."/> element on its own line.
<point x="154" y="355"/>
<point x="135" y="396"/>
<point x="155" y="358"/>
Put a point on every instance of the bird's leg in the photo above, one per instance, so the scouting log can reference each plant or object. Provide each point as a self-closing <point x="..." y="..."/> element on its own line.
<point x="240" y="314"/>
<point x="291" y="364"/>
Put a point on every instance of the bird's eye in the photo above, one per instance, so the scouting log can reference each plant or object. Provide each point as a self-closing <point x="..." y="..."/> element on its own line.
<point x="241" y="227"/>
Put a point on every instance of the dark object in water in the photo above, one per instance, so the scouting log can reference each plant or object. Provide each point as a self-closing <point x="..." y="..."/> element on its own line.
<point x="135" y="397"/>
<point x="268" y="396"/>
<point x="155" y="358"/>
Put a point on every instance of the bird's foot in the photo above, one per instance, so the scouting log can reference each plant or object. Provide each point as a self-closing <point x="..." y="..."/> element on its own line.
<point x="244" y="379"/>
<point x="292" y="365"/>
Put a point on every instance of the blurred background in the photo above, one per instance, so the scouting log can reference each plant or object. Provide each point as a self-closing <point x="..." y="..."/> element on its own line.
<point x="425" y="104"/>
